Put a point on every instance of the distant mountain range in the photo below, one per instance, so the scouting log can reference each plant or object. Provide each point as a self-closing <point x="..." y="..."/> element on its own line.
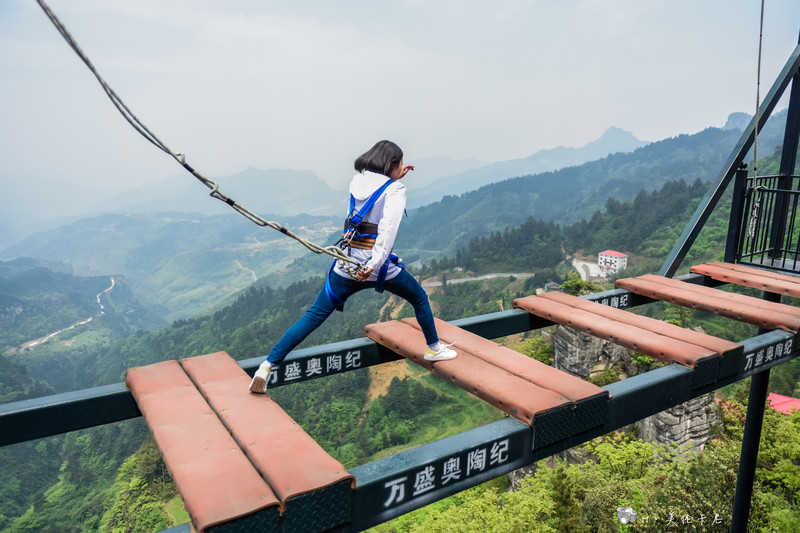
<point x="569" y="194"/>
<point x="614" y="140"/>
<point x="275" y="191"/>
<point x="283" y="192"/>
<point x="293" y="192"/>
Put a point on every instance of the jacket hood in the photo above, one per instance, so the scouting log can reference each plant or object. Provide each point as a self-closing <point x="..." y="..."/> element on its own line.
<point x="365" y="183"/>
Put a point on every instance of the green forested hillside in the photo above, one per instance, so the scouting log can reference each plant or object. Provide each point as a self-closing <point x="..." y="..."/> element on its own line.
<point x="670" y="489"/>
<point x="567" y="195"/>
<point x="54" y="324"/>
<point x="38" y="301"/>
<point x="29" y="468"/>
<point x="644" y="228"/>
<point x="9" y="269"/>
<point x="185" y="263"/>
<point x="181" y="263"/>
<point x="109" y="477"/>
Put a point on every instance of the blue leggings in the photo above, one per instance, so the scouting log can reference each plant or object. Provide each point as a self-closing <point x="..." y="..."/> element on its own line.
<point x="403" y="285"/>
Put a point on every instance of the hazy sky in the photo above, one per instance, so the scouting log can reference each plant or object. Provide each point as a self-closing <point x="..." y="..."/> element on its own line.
<point x="310" y="84"/>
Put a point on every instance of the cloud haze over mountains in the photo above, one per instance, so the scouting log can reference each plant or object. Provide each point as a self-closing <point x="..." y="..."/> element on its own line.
<point x="284" y="192"/>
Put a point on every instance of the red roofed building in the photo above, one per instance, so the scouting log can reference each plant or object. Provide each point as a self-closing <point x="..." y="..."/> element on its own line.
<point x="612" y="261"/>
<point x="783" y="404"/>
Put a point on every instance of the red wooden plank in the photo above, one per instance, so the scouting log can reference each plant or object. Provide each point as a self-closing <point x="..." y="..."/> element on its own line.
<point x="536" y="372"/>
<point x="768" y="315"/>
<point x="212" y="474"/>
<point x="285" y="455"/>
<point x="720" y="346"/>
<point x="629" y="336"/>
<point x="512" y="394"/>
<point x="712" y="293"/>
<point x="757" y="271"/>
<point x="751" y="277"/>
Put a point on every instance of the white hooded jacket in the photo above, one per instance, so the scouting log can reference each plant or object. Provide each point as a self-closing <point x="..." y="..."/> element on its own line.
<point x="387" y="212"/>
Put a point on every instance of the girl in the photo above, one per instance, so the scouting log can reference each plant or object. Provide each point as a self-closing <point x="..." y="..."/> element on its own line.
<point x="377" y="204"/>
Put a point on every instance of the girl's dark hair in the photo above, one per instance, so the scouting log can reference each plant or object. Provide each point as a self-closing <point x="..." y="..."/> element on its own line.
<point x="381" y="158"/>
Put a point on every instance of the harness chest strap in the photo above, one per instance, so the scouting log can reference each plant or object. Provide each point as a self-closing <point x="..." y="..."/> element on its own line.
<point x="357" y="233"/>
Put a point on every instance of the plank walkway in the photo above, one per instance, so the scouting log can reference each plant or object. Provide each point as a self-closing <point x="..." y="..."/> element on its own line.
<point x="553" y="402"/>
<point x="666" y="342"/>
<point x="237" y="458"/>
<point x="241" y="463"/>
<point x="757" y="278"/>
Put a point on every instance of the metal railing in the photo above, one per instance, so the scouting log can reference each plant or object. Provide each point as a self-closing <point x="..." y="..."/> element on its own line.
<point x="769" y="226"/>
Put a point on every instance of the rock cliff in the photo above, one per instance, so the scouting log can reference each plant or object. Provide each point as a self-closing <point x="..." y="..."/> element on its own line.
<point x="687" y="425"/>
<point x="593" y="359"/>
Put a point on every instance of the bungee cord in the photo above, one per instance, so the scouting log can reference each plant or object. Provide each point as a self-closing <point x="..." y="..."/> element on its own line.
<point x="349" y="264"/>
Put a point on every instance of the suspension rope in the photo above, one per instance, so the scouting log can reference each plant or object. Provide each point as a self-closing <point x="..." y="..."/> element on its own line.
<point x="752" y="224"/>
<point x="334" y="251"/>
<point x="758" y="93"/>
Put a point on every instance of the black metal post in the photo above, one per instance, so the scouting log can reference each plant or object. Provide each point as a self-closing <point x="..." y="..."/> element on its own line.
<point x="733" y="245"/>
<point x="750" y="441"/>
<point x="791" y="134"/>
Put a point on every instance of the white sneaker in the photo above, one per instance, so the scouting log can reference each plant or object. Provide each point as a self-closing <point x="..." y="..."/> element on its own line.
<point x="443" y="354"/>
<point x="260" y="379"/>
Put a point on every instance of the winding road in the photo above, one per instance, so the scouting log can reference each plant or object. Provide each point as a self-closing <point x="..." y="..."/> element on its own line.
<point x="249" y="270"/>
<point x="31" y="345"/>
<point x="477" y="278"/>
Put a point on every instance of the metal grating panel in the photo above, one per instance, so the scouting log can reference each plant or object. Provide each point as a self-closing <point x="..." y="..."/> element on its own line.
<point x="264" y="520"/>
<point x="706" y="371"/>
<point x="319" y="510"/>
<point x="553" y="425"/>
<point x="590" y="412"/>
<point x="730" y="363"/>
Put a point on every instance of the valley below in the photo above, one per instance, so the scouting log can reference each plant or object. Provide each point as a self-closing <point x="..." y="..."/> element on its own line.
<point x="33" y="344"/>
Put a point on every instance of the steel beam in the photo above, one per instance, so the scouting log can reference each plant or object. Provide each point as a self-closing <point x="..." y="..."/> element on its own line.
<point x="52" y="415"/>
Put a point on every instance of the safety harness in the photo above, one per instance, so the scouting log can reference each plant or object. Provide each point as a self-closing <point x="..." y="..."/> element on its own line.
<point x="362" y="235"/>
